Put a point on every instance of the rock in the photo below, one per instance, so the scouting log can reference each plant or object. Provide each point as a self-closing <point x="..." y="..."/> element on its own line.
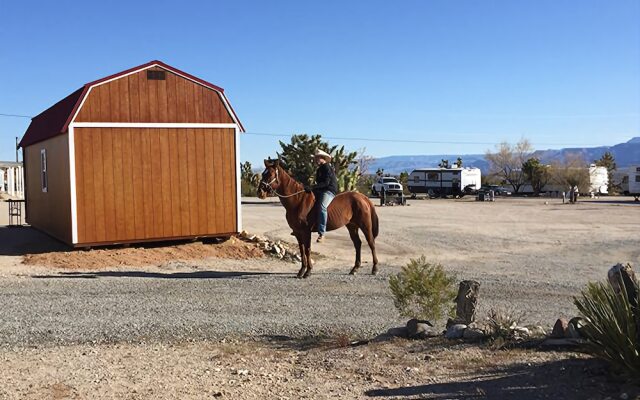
<point x="622" y="275"/>
<point x="574" y="329"/>
<point x="521" y="331"/>
<point x="417" y="329"/>
<point x="536" y="331"/>
<point x="398" y="332"/>
<point x="466" y="301"/>
<point x="560" y="329"/>
<point x="473" y="334"/>
<point x="455" y="331"/>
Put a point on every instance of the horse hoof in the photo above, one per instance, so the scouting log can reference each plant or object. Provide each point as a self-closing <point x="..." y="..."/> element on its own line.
<point x="374" y="271"/>
<point x="305" y="276"/>
<point x="299" y="276"/>
<point x="352" y="272"/>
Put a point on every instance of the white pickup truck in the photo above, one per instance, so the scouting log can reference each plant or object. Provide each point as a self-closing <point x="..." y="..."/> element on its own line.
<point x="390" y="184"/>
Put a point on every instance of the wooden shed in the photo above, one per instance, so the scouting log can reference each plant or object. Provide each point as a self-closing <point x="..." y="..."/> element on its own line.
<point x="148" y="154"/>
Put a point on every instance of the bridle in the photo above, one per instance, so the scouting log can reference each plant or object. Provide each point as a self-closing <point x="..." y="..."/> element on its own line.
<point x="271" y="190"/>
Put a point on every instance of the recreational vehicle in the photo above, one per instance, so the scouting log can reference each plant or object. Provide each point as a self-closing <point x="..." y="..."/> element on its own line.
<point x="629" y="179"/>
<point x="598" y="179"/>
<point x="437" y="182"/>
<point x="598" y="183"/>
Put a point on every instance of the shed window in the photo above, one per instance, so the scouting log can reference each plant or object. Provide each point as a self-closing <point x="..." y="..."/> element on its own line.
<point x="637" y="178"/>
<point x="43" y="170"/>
<point x="433" y="176"/>
<point x="155" y="75"/>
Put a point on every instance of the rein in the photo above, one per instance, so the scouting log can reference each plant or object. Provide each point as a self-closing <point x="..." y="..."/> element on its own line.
<point x="273" y="191"/>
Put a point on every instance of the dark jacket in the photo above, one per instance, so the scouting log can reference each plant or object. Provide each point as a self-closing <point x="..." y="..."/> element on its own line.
<point x="326" y="179"/>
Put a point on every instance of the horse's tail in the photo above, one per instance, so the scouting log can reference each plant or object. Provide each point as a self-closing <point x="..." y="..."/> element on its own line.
<point x="374" y="221"/>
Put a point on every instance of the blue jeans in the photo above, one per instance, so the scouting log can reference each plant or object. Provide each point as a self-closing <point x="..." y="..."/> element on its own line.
<point x="324" y="199"/>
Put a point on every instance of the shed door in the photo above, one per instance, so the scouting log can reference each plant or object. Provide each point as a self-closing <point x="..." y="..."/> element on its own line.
<point x="154" y="183"/>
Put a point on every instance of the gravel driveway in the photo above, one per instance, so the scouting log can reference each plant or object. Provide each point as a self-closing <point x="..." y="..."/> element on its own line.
<point x="528" y="255"/>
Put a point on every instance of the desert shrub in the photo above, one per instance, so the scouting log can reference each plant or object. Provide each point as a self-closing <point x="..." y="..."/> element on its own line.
<point x="502" y="324"/>
<point x="423" y="290"/>
<point x="612" y="326"/>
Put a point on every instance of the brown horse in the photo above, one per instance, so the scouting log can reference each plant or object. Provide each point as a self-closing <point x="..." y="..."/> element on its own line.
<point x="349" y="208"/>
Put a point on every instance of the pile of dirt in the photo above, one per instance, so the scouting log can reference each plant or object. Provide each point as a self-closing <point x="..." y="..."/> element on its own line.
<point x="142" y="256"/>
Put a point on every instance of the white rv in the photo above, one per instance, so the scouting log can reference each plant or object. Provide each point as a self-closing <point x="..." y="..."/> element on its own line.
<point x="598" y="179"/>
<point x="444" y="182"/>
<point x="630" y="181"/>
<point x="598" y="183"/>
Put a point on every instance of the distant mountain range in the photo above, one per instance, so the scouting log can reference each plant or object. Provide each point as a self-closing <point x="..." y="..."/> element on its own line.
<point x="625" y="154"/>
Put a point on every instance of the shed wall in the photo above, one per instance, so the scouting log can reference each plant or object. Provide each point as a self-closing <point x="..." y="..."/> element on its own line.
<point x="137" y="184"/>
<point x="49" y="211"/>
<point x="134" y="98"/>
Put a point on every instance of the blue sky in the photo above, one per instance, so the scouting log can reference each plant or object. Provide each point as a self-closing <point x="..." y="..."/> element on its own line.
<point x="560" y="73"/>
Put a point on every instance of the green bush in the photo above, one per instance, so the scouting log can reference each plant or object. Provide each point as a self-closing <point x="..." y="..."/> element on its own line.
<point x="423" y="290"/>
<point x="612" y="326"/>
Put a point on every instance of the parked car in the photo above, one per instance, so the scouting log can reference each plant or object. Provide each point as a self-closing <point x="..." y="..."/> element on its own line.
<point x="497" y="190"/>
<point x="389" y="183"/>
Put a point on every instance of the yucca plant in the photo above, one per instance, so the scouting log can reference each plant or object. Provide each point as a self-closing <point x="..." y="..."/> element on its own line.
<point x="612" y="326"/>
<point x="423" y="290"/>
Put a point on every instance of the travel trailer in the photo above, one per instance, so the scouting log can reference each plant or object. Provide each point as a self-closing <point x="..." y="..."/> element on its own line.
<point x="442" y="182"/>
<point x="629" y="179"/>
<point x="598" y="179"/>
<point x="598" y="183"/>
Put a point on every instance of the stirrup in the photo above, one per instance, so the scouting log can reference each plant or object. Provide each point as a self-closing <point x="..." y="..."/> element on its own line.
<point x="320" y="239"/>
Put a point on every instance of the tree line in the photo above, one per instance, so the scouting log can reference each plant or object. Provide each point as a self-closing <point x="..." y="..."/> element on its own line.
<point x="516" y="166"/>
<point x="509" y="164"/>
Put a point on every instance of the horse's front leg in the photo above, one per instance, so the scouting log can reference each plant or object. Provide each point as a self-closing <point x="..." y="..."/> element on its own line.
<point x="303" y="257"/>
<point x="307" y="251"/>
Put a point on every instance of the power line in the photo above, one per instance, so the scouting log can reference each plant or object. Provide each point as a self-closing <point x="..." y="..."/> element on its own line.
<point x="361" y="139"/>
<point x="15" y="115"/>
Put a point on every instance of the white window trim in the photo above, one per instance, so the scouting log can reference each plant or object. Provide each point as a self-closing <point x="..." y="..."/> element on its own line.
<point x="44" y="178"/>
<point x="72" y="183"/>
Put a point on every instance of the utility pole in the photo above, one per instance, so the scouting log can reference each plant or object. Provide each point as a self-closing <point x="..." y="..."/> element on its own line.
<point x="16" y="149"/>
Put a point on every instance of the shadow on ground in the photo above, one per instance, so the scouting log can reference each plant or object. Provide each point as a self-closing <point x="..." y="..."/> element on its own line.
<point x="18" y="241"/>
<point x="146" y="274"/>
<point x="630" y="201"/>
<point x="563" y="379"/>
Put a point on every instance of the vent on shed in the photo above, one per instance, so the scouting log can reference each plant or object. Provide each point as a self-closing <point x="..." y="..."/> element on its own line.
<point x="155" y="75"/>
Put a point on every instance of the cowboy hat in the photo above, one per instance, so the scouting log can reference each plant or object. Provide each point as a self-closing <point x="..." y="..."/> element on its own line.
<point x="323" y="154"/>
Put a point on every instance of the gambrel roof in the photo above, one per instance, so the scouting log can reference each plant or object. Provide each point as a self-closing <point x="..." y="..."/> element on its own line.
<point x="56" y="119"/>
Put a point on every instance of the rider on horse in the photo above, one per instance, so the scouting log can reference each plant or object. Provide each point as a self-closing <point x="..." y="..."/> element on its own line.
<point x="324" y="190"/>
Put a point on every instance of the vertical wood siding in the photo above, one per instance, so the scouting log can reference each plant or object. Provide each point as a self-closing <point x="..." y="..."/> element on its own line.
<point x="133" y="98"/>
<point x="49" y="211"/>
<point x="141" y="184"/>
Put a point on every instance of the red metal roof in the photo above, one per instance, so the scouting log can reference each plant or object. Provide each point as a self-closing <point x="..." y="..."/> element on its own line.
<point x="56" y="119"/>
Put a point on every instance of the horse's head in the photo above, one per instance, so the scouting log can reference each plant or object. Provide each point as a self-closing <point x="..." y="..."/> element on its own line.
<point x="270" y="181"/>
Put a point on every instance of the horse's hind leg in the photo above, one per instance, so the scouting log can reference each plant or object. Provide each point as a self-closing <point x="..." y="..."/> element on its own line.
<point x="368" y="234"/>
<point x="357" y="243"/>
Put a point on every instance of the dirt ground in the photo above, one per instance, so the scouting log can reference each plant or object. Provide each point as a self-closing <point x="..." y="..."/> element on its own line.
<point x="285" y="368"/>
<point x="144" y="256"/>
<point x="530" y="254"/>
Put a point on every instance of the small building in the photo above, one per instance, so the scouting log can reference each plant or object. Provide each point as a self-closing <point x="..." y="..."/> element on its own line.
<point x="147" y="154"/>
<point x="12" y="179"/>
